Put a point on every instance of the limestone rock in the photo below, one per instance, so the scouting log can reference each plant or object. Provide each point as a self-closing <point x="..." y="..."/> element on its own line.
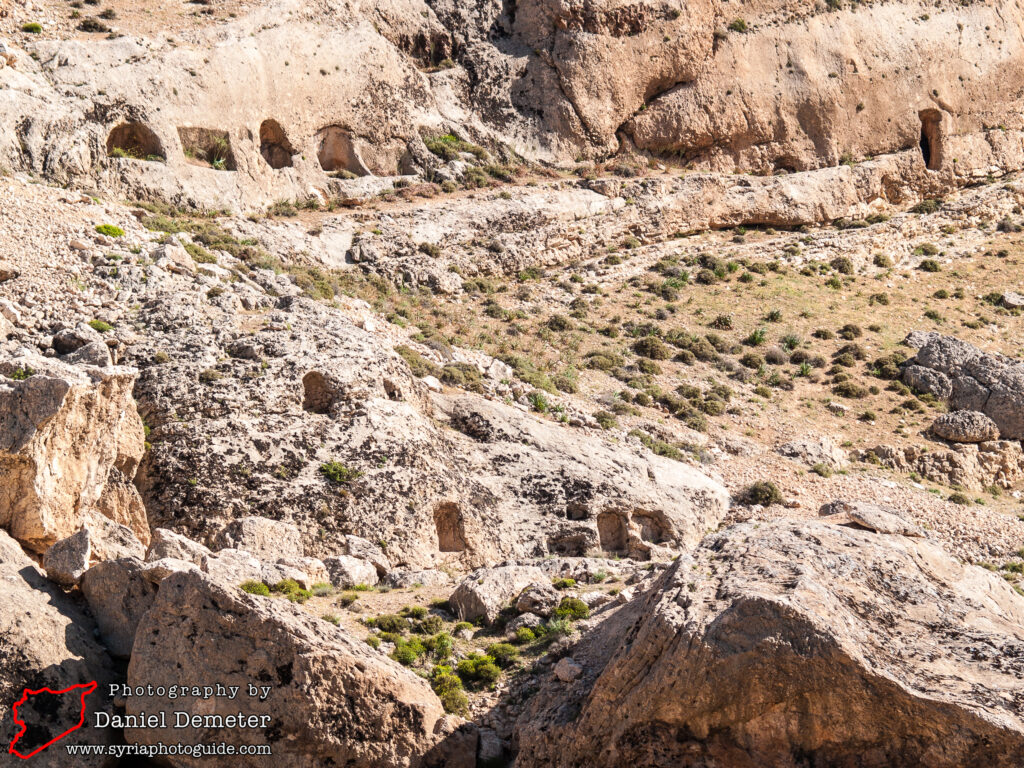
<point x="965" y="427"/>
<point x="67" y="560"/>
<point x="346" y="571"/>
<point x="812" y="451"/>
<point x="167" y="543"/>
<point x="69" y="339"/>
<point x="485" y="592"/>
<point x="403" y="579"/>
<point x="158" y="570"/>
<point x="567" y="669"/>
<point x="64" y="429"/>
<point x="232" y="567"/>
<point x="1013" y="300"/>
<point x="46" y="641"/>
<point x="540" y="599"/>
<point x="119" y="595"/>
<point x="868" y="516"/>
<point x="991" y="384"/>
<point x="266" y="539"/>
<point x="357" y="546"/>
<point x="792" y="642"/>
<point x="331" y="698"/>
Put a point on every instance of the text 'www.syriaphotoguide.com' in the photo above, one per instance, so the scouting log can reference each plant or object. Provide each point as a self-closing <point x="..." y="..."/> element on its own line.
<point x="167" y="750"/>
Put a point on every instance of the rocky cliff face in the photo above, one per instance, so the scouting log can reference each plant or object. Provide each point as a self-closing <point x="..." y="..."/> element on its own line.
<point x="290" y="92"/>
<point x="790" y="642"/>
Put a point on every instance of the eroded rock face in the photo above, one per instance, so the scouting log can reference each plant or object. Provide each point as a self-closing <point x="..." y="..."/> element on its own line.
<point x="499" y="485"/>
<point x="792" y="642"/>
<point x="46" y="641"/>
<point x="965" y="427"/>
<point x="332" y="699"/>
<point x="64" y="429"/>
<point x="978" y="381"/>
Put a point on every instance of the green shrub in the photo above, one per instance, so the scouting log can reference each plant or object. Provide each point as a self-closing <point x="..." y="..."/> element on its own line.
<point x="110" y="230"/>
<point x="738" y="25"/>
<point x="254" y="587"/>
<point x="572" y="608"/>
<point x="415" y="611"/>
<point x="323" y="589"/>
<point x="330" y="618"/>
<point x="418" y="365"/>
<point x="504" y="654"/>
<point x="448" y="687"/>
<point x="477" y="668"/>
<point x="337" y="472"/>
<point x="373" y="641"/>
<point x="849" y="389"/>
<point x="606" y="420"/>
<point x="883" y="261"/>
<point x="390" y="622"/>
<point x="563" y="583"/>
<point x="100" y="325"/>
<point x="32" y="28"/>
<point x="653" y="348"/>
<point x="763" y="492"/>
<point x="525" y="635"/>
<point x="464" y="375"/>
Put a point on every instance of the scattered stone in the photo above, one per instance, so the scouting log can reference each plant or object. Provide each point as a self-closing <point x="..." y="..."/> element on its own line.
<point x="346" y="571"/>
<point x="868" y="516"/>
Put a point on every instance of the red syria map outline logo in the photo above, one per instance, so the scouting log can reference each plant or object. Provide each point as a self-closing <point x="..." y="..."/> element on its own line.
<point x="86" y="688"/>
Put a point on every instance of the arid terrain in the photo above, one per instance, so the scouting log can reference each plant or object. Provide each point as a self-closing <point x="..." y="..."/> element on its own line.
<point x="533" y="384"/>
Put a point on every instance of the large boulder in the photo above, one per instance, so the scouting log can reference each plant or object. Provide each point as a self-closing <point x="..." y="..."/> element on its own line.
<point x="328" y="698"/>
<point x="266" y="539"/>
<point x="347" y="571"/>
<point x="168" y="543"/>
<point x="119" y="594"/>
<point x="483" y="593"/>
<point x="62" y="430"/>
<point x="965" y="427"/>
<point x="46" y="641"/>
<point x="978" y="381"/>
<point x="788" y="644"/>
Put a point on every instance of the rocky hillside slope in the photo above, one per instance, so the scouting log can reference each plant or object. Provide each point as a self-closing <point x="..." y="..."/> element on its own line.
<point x="534" y="385"/>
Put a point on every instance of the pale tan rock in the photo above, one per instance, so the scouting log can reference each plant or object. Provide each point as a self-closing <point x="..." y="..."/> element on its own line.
<point x="169" y="544"/>
<point x="789" y="641"/>
<point x="119" y="594"/>
<point x="486" y="591"/>
<point x="266" y="539"/>
<point x="346" y="571"/>
<point x="331" y="698"/>
<point x="47" y="642"/>
<point x="68" y="560"/>
<point x="64" y="429"/>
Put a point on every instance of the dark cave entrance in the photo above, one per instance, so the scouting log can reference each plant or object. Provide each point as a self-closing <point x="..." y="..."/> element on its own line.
<point x="136" y="141"/>
<point x="274" y="145"/>
<point x="931" y="138"/>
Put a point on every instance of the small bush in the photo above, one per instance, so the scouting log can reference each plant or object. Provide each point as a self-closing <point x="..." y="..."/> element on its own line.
<point x="477" y="668"/>
<point x="572" y="608"/>
<point x="254" y="587"/>
<point x="849" y="332"/>
<point x="525" y="635"/>
<point x="110" y="230"/>
<point x="504" y="654"/>
<point x="883" y="261"/>
<point x="763" y="492"/>
<point x="929" y="265"/>
<point x="849" y="389"/>
<point x="738" y="25"/>
<point x="418" y="365"/>
<point x="337" y="472"/>
<point x="563" y="583"/>
<point x="391" y="622"/>
<point x="653" y="348"/>
<point x="100" y="325"/>
<point x="32" y="28"/>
